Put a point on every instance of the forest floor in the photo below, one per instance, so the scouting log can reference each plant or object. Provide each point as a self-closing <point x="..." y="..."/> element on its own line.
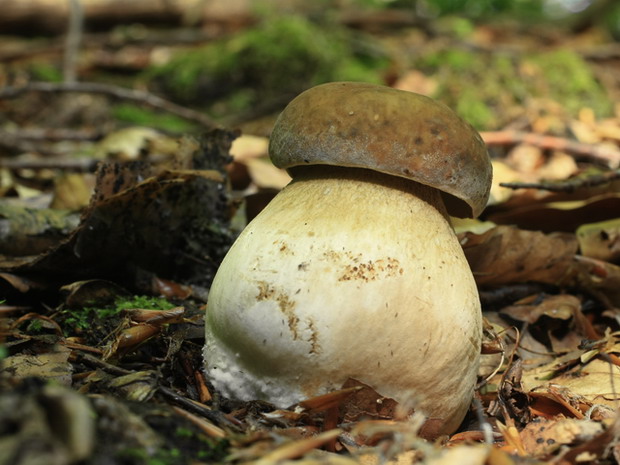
<point x="122" y="190"/>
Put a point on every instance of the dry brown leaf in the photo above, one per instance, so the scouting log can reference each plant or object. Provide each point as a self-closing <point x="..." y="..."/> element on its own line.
<point x="556" y="216"/>
<point x="298" y="448"/>
<point x="246" y="147"/>
<point x="251" y="165"/>
<point x="584" y="132"/>
<point x="553" y="400"/>
<point x="601" y="279"/>
<point x="416" y="81"/>
<point x="565" y="324"/>
<point x="365" y="402"/>
<point x="580" y="376"/>
<point x="561" y="307"/>
<point x="405" y="458"/>
<point x="598" y="382"/>
<point x="463" y="455"/>
<point x="72" y="191"/>
<point x="600" y="240"/>
<point x="134" y="143"/>
<point x="558" y="166"/>
<point x="53" y="365"/>
<point x="609" y="129"/>
<point x="595" y="447"/>
<point x="265" y="175"/>
<point x="502" y="173"/>
<point x="526" y="159"/>
<point x="326" y="401"/>
<point x="506" y="254"/>
<point x="542" y="438"/>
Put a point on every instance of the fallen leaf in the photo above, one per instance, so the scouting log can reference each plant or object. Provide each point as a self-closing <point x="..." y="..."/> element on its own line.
<point x="562" y="307"/>
<point x="53" y="365"/>
<point x="463" y="455"/>
<point x="541" y="438"/>
<point x="600" y="240"/>
<point x="564" y="216"/>
<point x="298" y="448"/>
<point x="506" y="254"/>
<point x="579" y="375"/>
<point x="598" y="277"/>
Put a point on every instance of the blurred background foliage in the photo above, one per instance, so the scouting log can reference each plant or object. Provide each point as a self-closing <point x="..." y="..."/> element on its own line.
<point x="259" y="69"/>
<point x="269" y="62"/>
<point x="491" y="60"/>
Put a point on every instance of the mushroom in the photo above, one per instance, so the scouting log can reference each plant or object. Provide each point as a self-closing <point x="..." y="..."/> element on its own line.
<point x="353" y="270"/>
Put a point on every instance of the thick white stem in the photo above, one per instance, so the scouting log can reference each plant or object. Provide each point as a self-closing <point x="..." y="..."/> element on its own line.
<point x="347" y="274"/>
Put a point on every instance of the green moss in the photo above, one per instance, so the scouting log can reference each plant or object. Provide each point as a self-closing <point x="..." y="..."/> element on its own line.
<point x="89" y="317"/>
<point x="612" y="23"/>
<point x="567" y="79"/>
<point x="142" y="117"/>
<point x="35" y="326"/>
<point x="490" y="89"/>
<point x="144" y="302"/>
<point x="184" y="432"/>
<point x="472" y="109"/>
<point x="279" y="57"/>
<point x="187" y="447"/>
<point x="45" y="72"/>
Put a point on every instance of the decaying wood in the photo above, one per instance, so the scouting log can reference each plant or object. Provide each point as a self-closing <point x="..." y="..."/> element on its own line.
<point x="568" y="185"/>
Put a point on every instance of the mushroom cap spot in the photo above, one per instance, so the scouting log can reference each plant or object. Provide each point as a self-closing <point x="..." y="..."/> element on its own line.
<point x="387" y="130"/>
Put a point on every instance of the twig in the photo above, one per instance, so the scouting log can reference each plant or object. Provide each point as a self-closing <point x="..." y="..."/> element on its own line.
<point x="53" y="134"/>
<point x="74" y="37"/>
<point x="138" y="96"/>
<point x="568" y="185"/>
<point x="98" y="363"/>
<point x="485" y="426"/>
<point x="207" y="427"/>
<point x="82" y="165"/>
<point x="214" y="416"/>
<point x="610" y="155"/>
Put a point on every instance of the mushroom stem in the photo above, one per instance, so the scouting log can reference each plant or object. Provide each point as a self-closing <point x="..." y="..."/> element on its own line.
<point x="347" y="273"/>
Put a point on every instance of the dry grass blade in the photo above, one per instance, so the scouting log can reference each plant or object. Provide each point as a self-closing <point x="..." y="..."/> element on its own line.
<point x="297" y="449"/>
<point x="209" y="428"/>
<point x="327" y="401"/>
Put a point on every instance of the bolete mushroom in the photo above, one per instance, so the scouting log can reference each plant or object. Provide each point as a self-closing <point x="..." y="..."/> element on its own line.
<point x="353" y="270"/>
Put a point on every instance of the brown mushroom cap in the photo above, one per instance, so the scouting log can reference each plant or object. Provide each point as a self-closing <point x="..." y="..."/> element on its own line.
<point x="392" y="131"/>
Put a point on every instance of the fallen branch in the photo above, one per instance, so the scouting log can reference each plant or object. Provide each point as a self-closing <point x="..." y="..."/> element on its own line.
<point x="31" y="141"/>
<point x="568" y="185"/>
<point x="53" y="134"/>
<point x="610" y="155"/>
<point x="82" y="165"/>
<point x="138" y="96"/>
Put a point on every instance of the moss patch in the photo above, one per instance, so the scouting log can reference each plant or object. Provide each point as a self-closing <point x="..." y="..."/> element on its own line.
<point x="489" y="90"/>
<point x="136" y="115"/>
<point x="275" y="59"/>
<point x="96" y="322"/>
